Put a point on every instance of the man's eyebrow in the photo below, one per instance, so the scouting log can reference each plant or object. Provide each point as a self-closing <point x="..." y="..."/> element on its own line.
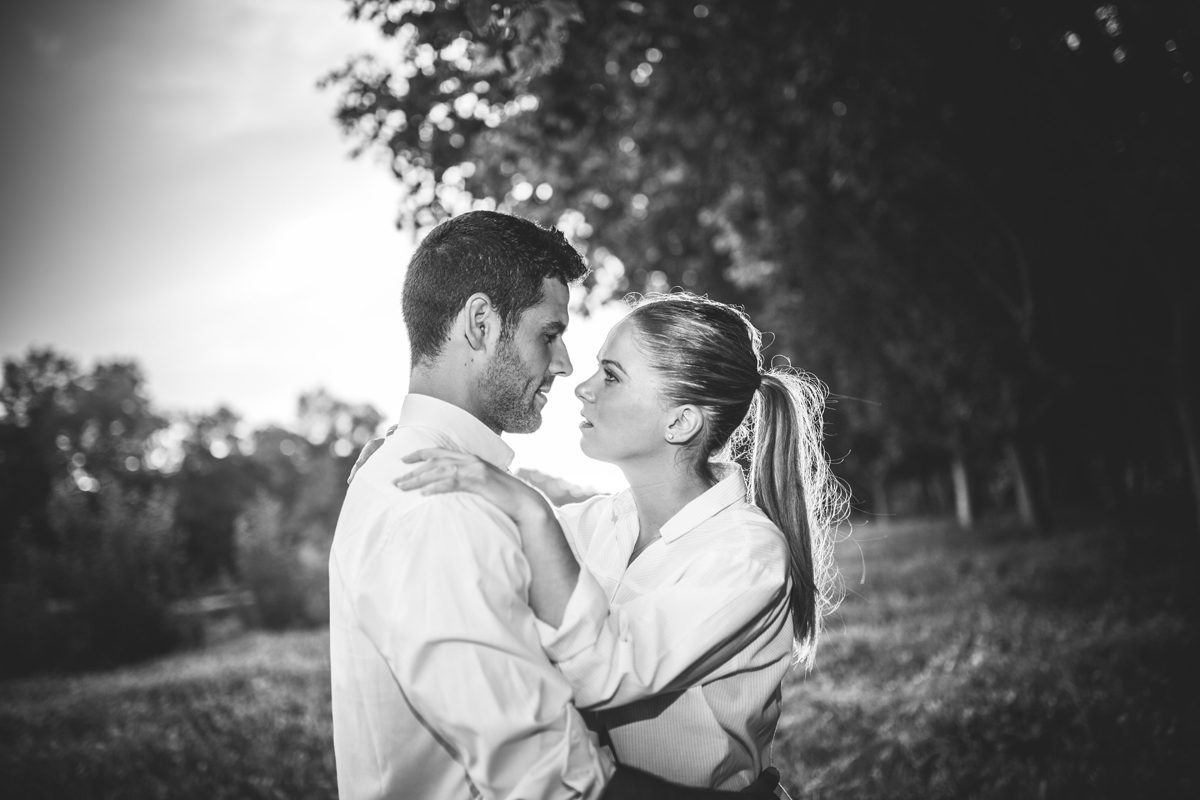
<point x="555" y="326"/>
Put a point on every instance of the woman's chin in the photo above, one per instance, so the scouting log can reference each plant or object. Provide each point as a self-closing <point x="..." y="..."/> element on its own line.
<point x="588" y="448"/>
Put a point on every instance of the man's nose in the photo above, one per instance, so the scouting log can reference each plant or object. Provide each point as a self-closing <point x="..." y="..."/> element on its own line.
<point x="561" y="363"/>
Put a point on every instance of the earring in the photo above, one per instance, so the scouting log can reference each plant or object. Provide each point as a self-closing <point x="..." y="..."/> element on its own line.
<point x="670" y="435"/>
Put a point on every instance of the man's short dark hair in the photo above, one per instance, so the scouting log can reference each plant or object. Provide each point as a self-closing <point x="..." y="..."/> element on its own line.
<point x="505" y="257"/>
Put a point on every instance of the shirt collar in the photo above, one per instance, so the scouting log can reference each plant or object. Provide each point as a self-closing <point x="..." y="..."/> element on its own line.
<point x="461" y="426"/>
<point x="729" y="489"/>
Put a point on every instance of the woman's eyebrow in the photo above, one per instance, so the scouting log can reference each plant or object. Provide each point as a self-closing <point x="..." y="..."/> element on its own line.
<point x="608" y="362"/>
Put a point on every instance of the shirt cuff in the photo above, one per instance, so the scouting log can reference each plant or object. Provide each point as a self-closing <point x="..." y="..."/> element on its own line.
<point x="582" y="621"/>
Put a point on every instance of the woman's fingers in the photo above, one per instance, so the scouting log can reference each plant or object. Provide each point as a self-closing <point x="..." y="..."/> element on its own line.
<point x="428" y="453"/>
<point x="427" y="473"/>
<point x="441" y="470"/>
<point x="440" y="487"/>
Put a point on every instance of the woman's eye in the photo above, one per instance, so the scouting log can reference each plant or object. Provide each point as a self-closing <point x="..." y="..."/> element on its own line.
<point x="609" y="377"/>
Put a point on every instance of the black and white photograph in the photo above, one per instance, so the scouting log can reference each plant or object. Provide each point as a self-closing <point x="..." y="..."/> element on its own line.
<point x="599" y="400"/>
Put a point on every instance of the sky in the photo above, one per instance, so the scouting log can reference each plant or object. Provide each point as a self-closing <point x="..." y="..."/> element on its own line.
<point x="176" y="192"/>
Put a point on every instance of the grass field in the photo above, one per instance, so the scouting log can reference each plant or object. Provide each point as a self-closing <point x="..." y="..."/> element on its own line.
<point x="990" y="664"/>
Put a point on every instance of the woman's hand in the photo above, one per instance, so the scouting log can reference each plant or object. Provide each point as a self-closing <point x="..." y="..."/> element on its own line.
<point x="441" y="470"/>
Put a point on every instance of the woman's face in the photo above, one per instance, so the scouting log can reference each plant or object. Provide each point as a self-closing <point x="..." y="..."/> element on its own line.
<point x="624" y="415"/>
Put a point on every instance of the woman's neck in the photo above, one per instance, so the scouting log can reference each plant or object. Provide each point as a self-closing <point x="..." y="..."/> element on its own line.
<point x="659" y="492"/>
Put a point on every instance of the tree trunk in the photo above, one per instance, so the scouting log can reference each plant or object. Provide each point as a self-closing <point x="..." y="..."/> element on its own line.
<point x="963" y="510"/>
<point x="1044" y="482"/>
<point x="1030" y="508"/>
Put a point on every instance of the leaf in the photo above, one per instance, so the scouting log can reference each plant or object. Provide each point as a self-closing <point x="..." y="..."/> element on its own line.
<point x="480" y="17"/>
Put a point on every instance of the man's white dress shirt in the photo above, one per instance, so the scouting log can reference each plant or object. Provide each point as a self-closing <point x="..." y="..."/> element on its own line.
<point x="685" y="664"/>
<point x="440" y="688"/>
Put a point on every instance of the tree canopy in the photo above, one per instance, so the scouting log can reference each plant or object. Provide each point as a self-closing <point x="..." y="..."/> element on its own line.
<point x="976" y="221"/>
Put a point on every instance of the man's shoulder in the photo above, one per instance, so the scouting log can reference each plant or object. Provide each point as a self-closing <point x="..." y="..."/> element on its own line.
<point x="387" y="463"/>
<point x="374" y="491"/>
<point x="451" y="536"/>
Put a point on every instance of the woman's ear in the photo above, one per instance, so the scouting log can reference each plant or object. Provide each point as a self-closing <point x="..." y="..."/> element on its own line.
<point x="479" y="322"/>
<point x="683" y="423"/>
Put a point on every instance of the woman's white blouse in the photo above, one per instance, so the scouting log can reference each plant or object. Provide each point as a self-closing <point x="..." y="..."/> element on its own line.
<point x="681" y="654"/>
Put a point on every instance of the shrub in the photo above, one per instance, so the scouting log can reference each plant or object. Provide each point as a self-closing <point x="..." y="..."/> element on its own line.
<point x="285" y="572"/>
<point x="102" y="594"/>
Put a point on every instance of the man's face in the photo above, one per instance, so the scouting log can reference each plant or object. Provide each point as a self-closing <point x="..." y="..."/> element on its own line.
<point x="528" y="358"/>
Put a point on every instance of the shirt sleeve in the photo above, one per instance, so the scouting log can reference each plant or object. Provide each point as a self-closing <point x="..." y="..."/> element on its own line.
<point x="582" y="619"/>
<point x="446" y="604"/>
<point x="678" y="634"/>
<point x="570" y="517"/>
<point x="588" y="605"/>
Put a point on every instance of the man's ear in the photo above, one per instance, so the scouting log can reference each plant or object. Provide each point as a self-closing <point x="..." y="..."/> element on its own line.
<point x="683" y="424"/>
<point x="479" y="322"/>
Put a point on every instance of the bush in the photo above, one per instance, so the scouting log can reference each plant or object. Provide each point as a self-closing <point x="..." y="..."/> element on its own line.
<point x="286" y="573"/>
<point x="102" y="595"/>
<point x="36" y="632"/>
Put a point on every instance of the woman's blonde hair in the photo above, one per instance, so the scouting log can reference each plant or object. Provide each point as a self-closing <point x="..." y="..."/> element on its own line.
<point x="709" y="354"/>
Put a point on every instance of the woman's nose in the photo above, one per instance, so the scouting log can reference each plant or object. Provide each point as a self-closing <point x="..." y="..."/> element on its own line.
<point x="584" y="392"/>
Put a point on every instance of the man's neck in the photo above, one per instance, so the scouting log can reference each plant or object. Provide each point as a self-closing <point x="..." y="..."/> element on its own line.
<point x="448" y="383"/>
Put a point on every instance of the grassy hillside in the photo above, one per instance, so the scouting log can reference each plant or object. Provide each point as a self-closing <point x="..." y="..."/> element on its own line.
<point x="988" y="664"/>
<point x="995" y="665"/>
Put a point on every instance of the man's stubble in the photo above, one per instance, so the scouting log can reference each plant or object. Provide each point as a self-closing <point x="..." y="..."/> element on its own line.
<point x="509" y="390"/>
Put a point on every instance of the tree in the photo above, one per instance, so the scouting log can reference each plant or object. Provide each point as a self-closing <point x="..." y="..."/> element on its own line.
<point x="91" y="559"/>
<point x="58" y="423"/>
<point x="906" y="199"/>
<point x="216" y="482"/>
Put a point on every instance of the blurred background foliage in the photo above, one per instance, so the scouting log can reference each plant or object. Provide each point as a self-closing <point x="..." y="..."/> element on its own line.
<point x="975" y="221"/>
<point x="114" y="515"/>
<point x="126" y="532"/>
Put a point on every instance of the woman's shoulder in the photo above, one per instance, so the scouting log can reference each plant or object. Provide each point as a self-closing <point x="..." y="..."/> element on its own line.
<point x="589" y="510"/>
<point x="744" y="533"/>
<point x="581" y="520"/>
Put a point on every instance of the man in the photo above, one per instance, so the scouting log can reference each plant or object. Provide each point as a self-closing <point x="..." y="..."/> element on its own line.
<point x="440" y="685"/>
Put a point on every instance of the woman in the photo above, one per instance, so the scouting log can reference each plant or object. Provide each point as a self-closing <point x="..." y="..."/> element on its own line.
<point x="712" y="581"/>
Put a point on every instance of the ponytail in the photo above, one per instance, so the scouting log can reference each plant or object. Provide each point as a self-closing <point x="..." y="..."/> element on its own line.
<point x="791" y="481"/>
<point x="710" y="354"/>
